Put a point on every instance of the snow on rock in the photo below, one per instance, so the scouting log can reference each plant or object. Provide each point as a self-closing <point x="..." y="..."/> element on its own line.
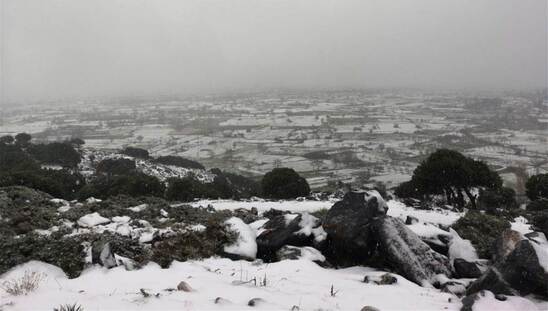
<point x="408" y="254"/>
<point x="461" y="248"/>
<point x="245" y="245"/>
<point x="487" y="302"/>
<point x="435" y="216"/>
<point x="138" y="208"/>
<point x="520" y="224"/>
<point x="541" y="248"/>
<point x="92" y="200"/>
<point x="121" y="219"/>
<point x="294" y="253"/>
<point x="91" y="220"/>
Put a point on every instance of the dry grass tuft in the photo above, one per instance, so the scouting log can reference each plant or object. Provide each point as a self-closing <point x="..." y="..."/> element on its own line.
<point x="24" y="285"/>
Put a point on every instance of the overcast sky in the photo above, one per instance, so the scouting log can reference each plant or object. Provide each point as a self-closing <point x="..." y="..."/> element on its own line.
<point x="57" y="48"/>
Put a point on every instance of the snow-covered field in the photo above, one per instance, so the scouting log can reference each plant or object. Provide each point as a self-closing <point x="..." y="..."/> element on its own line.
<point x="289" y="283"/>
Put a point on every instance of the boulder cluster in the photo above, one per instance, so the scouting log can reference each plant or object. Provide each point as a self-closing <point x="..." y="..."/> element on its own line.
<point x="358" y="231"/>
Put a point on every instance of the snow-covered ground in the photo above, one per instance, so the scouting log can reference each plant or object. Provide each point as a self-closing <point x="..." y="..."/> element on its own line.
<point x="289" y="283"/>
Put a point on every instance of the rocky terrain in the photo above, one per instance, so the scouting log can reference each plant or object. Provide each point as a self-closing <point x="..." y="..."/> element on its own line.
<point x="362" y="250"/>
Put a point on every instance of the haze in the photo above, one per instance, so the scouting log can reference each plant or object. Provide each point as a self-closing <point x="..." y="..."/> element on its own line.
<point x="75" y="48"/>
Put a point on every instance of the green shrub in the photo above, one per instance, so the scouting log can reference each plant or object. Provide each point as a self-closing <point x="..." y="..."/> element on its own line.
<point x="537" y="187"/>
<point x="136" y="152"/>
<point x="134" y="184"/>
<point x="481" y="229"/>
<point x="490" y="199"/>
<point x="284" y="183"/>
<point x="538" y="205"/>
<point x="193" y="244"/>
<point x="57" y="153"/>
<point x="540" y="221"/>
<point x="119" y="166"/>
<point x="67" y="253"/>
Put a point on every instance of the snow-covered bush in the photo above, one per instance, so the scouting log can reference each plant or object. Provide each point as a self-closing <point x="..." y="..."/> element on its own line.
<point x="481" y="229"/>
<point x="23" y="285"/>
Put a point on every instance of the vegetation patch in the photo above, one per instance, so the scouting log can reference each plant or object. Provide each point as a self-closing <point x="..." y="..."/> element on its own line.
<point x="481" y="229"/>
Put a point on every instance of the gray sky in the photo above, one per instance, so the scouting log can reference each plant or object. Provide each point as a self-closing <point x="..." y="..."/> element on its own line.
<point x="56" y="48"/>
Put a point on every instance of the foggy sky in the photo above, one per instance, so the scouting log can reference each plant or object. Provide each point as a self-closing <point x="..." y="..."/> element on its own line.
<point x="58" y="48"/>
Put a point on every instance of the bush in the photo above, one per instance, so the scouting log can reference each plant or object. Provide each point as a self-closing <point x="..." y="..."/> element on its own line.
<point x="194" y="244"/>
<point x="284" y="183"/>
<point x="136" y="152"/>
<point x="179" y="161"/>
<point x="23" y="139"/>
<point x="537" y="187"/>
<point x="538" y="205"/>
<point x="65" y="252"/>
<point x="13" y="158"/>
<point x="134" y="184"/>
<point x="62" y="154"/>
<point x="482" y="230"/>
<point x="24" y="285"/>
<point x="184" y="189"/>
<point x="116" y="166"/>
<point x="540" y="222"/>
<point x="491" y="199"/>
<point x="58" y="183"/>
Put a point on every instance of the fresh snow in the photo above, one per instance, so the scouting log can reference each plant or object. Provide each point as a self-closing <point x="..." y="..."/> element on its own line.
<point x="512" y="303"/>
<point x="289" y="283"/>
<point x="91" y="220"/>
<point x="461" y="248"/>
<point x="245" y="245"/>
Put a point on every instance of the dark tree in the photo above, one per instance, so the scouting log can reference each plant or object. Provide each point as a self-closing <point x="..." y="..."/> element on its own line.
<point x="62" y="154"/>
<point x="179" y="161"/>
<point x="448" y="172"/>
<point x="116" y="166"/>
<point x="7" y="140"/>
<point x="537" y="187"/>
<point x="284" y="183"/>
<point x="136" y="152"/>
<point x="503" y="197"/>
<point x="22" y="139"/>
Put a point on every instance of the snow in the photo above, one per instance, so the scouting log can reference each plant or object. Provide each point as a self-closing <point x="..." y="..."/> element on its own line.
<point x="308" y="222"/>
<point x="289" y="283"/>
<point x="263" y="206"/>
<point x="121" y="219"/>
<point x="436" y="216"/>
<point x="138" y="208"/>
<point x="461" y="248"/>
<point x="91" y="220"/>
<point x="309" y="253"/>
<point x="488" y="302"/>
<point x="520" y="225"/>
<point x="245" y="245"/>
<point x="540" y="244"/>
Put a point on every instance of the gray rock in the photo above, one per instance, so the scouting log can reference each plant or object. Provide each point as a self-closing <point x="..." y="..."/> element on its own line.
<point x="348" y="226"/>
<point x="465" y="269"/>
<point x="411" y="220"/>
<point x="369" y="308"/>
<point x="184" y="286"/>
<point x="493" y="281"/>
<point x="288" y="252"/>
<point x="406" y="253"/>
<point x="505" y="244"/>
<point x="255" y="302"/>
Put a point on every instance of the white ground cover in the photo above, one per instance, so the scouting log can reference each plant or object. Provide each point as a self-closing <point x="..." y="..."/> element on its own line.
<point x="289" y="283"/>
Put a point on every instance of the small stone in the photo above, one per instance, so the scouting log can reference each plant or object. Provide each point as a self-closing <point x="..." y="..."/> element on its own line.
<point x="255" y="301"/>
<point x="387" y="279"/>
<point x="221" y="301"/>
<point x="369" y="308"/>
<point x="500" y="297"/>
<point x="366" y="279"/>
<point x="184" y="286"/>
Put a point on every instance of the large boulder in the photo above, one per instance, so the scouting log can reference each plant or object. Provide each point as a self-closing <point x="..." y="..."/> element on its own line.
<point x="523" y="271"/>
<point x="505" y="244"/>
<point x="406" y="253"/>
<point x="348" y="225"/>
